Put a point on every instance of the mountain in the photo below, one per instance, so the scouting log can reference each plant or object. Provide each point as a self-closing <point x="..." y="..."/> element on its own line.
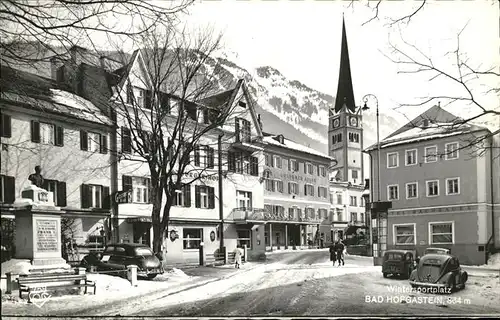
<point x="292" y="108"/>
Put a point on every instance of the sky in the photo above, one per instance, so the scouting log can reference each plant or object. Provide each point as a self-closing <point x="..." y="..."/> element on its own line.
<point x="302" y="40"/>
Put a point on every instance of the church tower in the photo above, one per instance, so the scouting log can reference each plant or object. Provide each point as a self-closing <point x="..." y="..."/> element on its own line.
<point x="345" y="132"/>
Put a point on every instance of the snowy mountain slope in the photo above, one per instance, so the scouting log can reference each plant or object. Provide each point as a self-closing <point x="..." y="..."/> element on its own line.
<point x="292" y="108"/>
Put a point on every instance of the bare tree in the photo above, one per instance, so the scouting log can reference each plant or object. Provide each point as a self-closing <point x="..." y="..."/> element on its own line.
<point x="176" y="124"/>
<point x="37" y="30"/>
<point x="473" y="85"/>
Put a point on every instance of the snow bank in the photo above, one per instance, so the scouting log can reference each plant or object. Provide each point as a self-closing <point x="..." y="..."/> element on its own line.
<point x="16" y="266"/>
<point x="493" y="263"/>
<point x="172" y="275"/>
<point x="291" y="250"/>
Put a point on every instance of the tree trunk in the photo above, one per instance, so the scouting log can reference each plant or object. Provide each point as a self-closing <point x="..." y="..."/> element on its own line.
<point x="158" y="231"/>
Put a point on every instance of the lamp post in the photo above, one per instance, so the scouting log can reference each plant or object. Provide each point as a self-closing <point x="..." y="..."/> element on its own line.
<point x="366" y="197"/>
<point x="376" y="207"/>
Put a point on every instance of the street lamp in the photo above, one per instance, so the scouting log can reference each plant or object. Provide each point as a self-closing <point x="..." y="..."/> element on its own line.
<point x="376" y="206"/>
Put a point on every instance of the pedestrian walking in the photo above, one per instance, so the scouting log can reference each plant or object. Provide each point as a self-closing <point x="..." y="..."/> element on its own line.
<point x="238" y="253"/>
<point x="339" y="251"/>
<point x="332" y="254"/>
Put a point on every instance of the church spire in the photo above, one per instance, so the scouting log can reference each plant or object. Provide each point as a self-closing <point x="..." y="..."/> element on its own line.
<point x="345" y="94"/>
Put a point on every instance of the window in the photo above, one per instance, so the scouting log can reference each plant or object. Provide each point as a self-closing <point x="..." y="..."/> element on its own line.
<point x="278" y="211"/>
<point x="354" y="174"/>
<point x="279" y="185"/>
<point x="183" y="196"/>
<point x="293" y="213"/>
<point x="411" y="190"/>
<point x="267" y="158"/>
<point x="339" y="198"/>
<point x="7" y="189"/>
<point x="192" y="238"/>
<point x="242" y="104"/>
<point x="353" y="137"/>
<point x="294" y="165"/>
<point x="308" y="168"/>
<point x="392" y="160"/>
<point x="5" y="126"/>
<point x="354" y="217"/>
<point x="242" y="130"/>
<point x="204" y="156"/>
<point x="126" y="140"/>
<point x="58" y="189"/>
<point x="392" y="192"/>
<point x="95" y="196"/>
<point x="310" y="213"/>
<point x="362" y="219"/>
<point x="322" y="171"/>
<point x="411" y="157"/>
<point x="404" y="234"/>
<point x="269" y="185"/>
<point x="430" y="154"/>
<point x="339" y="214"/>
<point x="244" y="199"/>
<point x="94" y="142"/>
<point x="353" y="201"/>
<point x="322" y="192"/>
<point x="139" y="187"/>
<point x="308" y="190"/>
<point x="432" y="188"/>
<point x="451" y="150"/>
<point x="361" y="202"/>
<point x="46" y="133"/>
<point x="331" y="198"/>
<point x="244" y="238"/>
<point x="204" y="197"/>
<point x="452" y="186"/>
<point x="323" y="213"/>
<point x="441" y="233"/>
<point x="293" y="188"/>
<point x="277" y="161"/>
<point x="239" y="162"/>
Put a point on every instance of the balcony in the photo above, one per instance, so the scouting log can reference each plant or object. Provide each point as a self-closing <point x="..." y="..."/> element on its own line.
<point x="356" y="223"/>
<point x="247" y="143"/>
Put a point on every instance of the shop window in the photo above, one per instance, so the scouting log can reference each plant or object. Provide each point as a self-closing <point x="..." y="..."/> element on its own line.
<point x="244" y="238"/>
<point x="192" y="238"/>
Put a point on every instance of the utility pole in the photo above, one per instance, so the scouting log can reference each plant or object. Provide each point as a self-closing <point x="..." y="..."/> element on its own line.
<point x="221" y="202"/>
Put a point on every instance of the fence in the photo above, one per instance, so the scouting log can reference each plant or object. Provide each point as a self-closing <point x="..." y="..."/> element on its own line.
<point x="219" y="257"/>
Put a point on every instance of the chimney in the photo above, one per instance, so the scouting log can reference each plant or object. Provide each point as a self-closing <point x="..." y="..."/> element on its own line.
<point x="425" y="123"/>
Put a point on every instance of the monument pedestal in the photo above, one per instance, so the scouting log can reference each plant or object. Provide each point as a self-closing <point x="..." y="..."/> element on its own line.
<point x="38" y="229"/>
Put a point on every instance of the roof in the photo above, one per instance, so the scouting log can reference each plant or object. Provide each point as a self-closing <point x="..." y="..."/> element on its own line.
<point x="45" y="95"/>
<point x="434" y="256"/>
<point x="402" y="251"/>
<point x="345" y="92"/>
<point x="292" y="145"/>
<point x="218" y="100"/>
<point x="434" y="123"/>
<point x="128" y="245"/>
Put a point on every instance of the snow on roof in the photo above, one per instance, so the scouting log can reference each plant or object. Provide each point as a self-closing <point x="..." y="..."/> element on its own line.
<point x="432" y="131"/>
<point x="289" y="144"/>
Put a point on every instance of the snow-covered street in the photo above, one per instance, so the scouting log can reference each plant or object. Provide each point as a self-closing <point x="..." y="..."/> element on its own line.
<point x="289" y="283"/>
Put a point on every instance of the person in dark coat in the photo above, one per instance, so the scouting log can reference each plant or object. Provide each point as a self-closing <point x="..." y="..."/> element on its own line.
<point x="332" y="254"/>
<point x="339" y="252"/>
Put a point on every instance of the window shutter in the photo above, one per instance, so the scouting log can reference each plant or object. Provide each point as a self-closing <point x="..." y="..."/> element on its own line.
<point x="211" y="198"/>
<point x="197" y="200"/>
<point x="174" y="195"/>
<point x="148" y="181"/>
<point x="104" y="143"/>
<point x="210" y="157"/>
<point x="83" y="140"/>
<point x="148" y="100"/>
<point x="126" y="183"/>
<point x="59" y="136"/>
<point x="231" y="166"/>
<point x="266" y="158"/>
<point x="197" y="156"/>
<point x="289" y="188"/>
<point x="305" y="189"/>
<point x="61" y="194"/>
<point x="126" y="140"/>
<point x="299" y="211"/>
<point x="319" y="193"/>
<point x="35" y="131"/>
<point x="106" y="203"/>
<point x="165" y="102"/>
<point x="289" y="164"/>
<point x="6" y="130"/>
<point x="254" y="166"/>
<point x="9" y="189"/>
<point x="237" y="129"/>
<point x="205" y="116"/>
<point x="187" y="195"/>
<point x="85" y="196"/>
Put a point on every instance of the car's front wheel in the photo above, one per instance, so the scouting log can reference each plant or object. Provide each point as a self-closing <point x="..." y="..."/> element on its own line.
<point x="451" y="284"/>
<point x="152" y="276"/>
<point x="384" y="274"/>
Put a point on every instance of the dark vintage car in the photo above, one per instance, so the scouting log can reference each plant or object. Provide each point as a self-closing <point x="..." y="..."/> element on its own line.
<point x="120" y="255"/>
<point x="398" y="263"/>
<point x="441" y="272"/>
<point x="437" y="251"/>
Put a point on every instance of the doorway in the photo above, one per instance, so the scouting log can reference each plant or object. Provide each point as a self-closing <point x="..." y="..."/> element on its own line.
<point x="142" y="233"/>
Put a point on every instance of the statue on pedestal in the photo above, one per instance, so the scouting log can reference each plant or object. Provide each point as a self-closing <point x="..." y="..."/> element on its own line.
<point x="37" y="178"/>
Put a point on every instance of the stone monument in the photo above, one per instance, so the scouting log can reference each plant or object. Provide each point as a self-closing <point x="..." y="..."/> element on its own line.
<point x="38" y="225"/>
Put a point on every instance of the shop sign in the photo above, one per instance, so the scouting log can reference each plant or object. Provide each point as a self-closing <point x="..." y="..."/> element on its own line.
<point x="123" y="197"/>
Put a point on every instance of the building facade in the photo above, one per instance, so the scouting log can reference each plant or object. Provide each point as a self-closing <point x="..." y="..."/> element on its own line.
<point x="443" y="183"/>
<point x="44" y="124"/>
<point x="296" y="196"/>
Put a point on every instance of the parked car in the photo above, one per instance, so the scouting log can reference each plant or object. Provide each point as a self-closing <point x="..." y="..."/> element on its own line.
<point x="120" y="255"/>
<point x="439" y="271"/>
<point x="437" y="251"/>
<point x="398" y="263"/>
